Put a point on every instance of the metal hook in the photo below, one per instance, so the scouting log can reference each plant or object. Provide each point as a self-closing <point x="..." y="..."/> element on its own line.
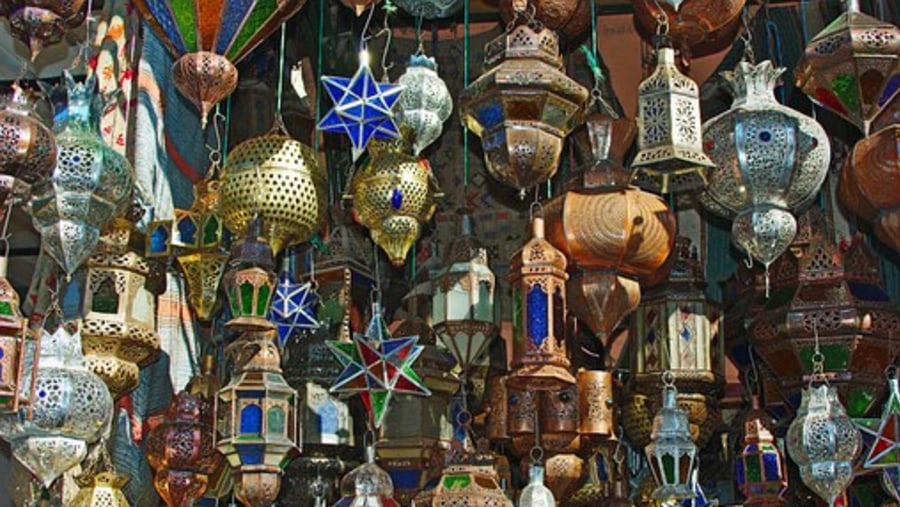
<point x="662" y="19"/>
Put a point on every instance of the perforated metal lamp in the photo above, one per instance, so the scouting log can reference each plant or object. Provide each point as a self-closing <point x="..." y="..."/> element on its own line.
<point x="671" y="452"/>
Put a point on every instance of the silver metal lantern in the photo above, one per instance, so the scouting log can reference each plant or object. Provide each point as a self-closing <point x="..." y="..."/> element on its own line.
<point x="425" y="102"/>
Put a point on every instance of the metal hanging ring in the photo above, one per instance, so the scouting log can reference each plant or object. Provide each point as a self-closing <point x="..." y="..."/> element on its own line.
<point x="536" y="453"/>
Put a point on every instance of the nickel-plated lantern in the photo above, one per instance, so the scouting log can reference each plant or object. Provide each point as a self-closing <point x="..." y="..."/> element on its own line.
<point x="523" y="106"/>
<point x="536" y="493"/>
<point x="672" y="453"/>
<point x="425" y="102"/>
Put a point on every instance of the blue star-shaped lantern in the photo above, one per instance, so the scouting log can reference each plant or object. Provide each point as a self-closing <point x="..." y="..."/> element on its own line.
<point x="293" y="308"/>
<point x="362" y="106"/>
<point x="377" y="366"/>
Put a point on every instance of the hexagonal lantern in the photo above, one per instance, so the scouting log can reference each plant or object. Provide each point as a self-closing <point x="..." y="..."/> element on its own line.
<point x="12" y="342"/>
<point x="250" y="280"/>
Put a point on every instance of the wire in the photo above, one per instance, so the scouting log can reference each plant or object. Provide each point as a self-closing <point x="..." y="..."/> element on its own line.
<point x="465" y="131"/>
<point x="280" y="92"/>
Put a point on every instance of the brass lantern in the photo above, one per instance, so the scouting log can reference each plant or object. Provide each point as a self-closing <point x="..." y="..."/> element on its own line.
<point x="462" y="303"/>
<point x="670" y="154"/>
<point x="569" y="18"/>
<point x="465" y="485"/>
<point x="199" y="241"/>
<point x="119" y="328"/>
<point x="250" y="281"/>
<point x="12" y="343"/>
<point x="104" y="488"/>
<point x="29" y="149"/>
<point x="852" y="67"/>
<point x="523" y="106"/>
<point x="760" y="469"/>
<point x="278" y="178"/>
<point x="671" y="452"/>
<point x="39" y="23"/>
<point x="538" y="278"/>
<point x="393" y="194"/>
<point x="181" y="452"/>
<point x="595" y="403"/>
<point x="256" y="419"/>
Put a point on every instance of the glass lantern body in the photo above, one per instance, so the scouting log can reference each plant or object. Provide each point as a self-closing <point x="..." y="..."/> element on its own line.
<point x="671" y="452"/>
<point x="535" y="493"/>
<point x="249" y="282"/>
<point x="760" y="469"/>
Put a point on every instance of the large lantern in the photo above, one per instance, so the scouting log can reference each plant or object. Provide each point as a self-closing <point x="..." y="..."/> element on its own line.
<point x="208" y="37"/>
<point x="462" y="303"/>
<point x="278" y="178"/>
<point x="425" y="102"/>
<point x="760" y="469"/>
<point x="852" y="67"/>
<point x="772" y="161"/>
<point x="250" y="280"/>
<point x="393" y="194"/>
<point x="670" y="154"/>
<point x="538" y="278"/>
<point x="90" y="184"/>
<point x="823" y="441"/>
<point x="671" y="451"/>
<point x="41" y="23"/>
<point x="523" y="106"/>
<point x="257" y="419"/>
<point x="29" y="149"/>
<point x="199" y="241"/>
<point x="119" y="331"/>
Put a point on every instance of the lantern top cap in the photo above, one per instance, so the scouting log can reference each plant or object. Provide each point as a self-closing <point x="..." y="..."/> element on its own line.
<point x="758" y="81"/>
<point x="524" y="42"/>
<point x="421" y="60"/>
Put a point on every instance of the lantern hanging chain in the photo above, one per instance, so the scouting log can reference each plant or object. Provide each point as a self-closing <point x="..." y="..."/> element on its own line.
<point x="818" y="360"/>
<point x="747" y="36"/>
<point x="389" y="9"/>
<point x="465" y="128"/>
<point x="523" y="10"/>
<point x="537" y="450"/>
<point x="84" y="48"/>
<point x="215" y="151"/>
<point x="662" y="22"/>
<point x="420" y="43"/>
<point x="752" y="372"/>
<point x="279" y="120"/>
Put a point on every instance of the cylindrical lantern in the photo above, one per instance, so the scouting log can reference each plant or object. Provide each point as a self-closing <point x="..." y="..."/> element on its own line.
<point x="425" y="102"/>
<point x="538" y="278"/>
<point x="671" y="452"/>
<point x="670" y="154"/>
<point x="760" y="469"/>
<point x="249" y="282"/>
<point x="595" y="403"/>
<point x="523" y="106"/>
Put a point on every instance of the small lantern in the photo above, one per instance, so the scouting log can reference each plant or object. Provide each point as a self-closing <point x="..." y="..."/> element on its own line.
<point x="824" y="442"/>
<point x="367" y="485"/>
<point x="463" y="301"/>
<point x="430" y="9"/>
<point x="250" y="281"/>
<point x="257" y="419"/>
<point x="852" y="67"/>
<point x="595" y="403"/>
<point x="199" y="241"/>
<point x="119" y="331"/>
<point x="523" y="106"/>
<point x="41" y="23"/>
<point x="538" y="278"/>
<point x="671" y="452"/>
<point x="425" y="102"/>
<point x="12" y="343"/>
<point x="760" y="469"/>
<point x="465" y="485"/>
<point x="104" y="488"/>
<point x="535" y="493"/>
<point x="670" y="156"/>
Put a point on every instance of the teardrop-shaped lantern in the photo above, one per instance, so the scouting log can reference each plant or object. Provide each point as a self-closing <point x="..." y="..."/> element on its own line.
<point x="425" y="102"/>
<point x="42" y="23"/>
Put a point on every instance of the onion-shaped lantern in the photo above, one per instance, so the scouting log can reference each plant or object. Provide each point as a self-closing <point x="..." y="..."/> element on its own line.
<point x="569" y="18"/>
<point x="760" y="469"/>
<point x="359" y="6"/>
<point x="612" y="234"/>
<point x="824" y="442"/>
<point x="523" y="106"/>
<point x="29" y="150"/>
<point x="868" y="181"/>
<point x="208" y="37"/>
<point x="181" y="452"/>
<point x="697" y="27"/>
<point x="393" y="194"/>
<point x="41" y="23"/>
<point x="430" y="9"/>
<point x="90" y="184"/>
<point x="368" y="485"/>
<point x="852" y="67"/>
<point x="671" y="452"/>
<point x="69" y="408"/>
<point x="103" y="488"/>
<point x="280" y="179"/>
<point x="425" y="102"/>
<point x="771" y="161"/>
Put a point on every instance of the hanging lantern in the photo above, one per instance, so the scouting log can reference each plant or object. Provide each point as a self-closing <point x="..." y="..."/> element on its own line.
<point x="823" y="442"/>
<point x="12" y="344"/>
<point x="425" y="102"/>
<point x="670" y="154"/>
<point x="535" y="493"/>
<point x="465" y="485"/>
<point x="29" y="149"/>
<point x="197" y="238"/>
<point x="595" y="403"/>
<point x="867" y="179"/>
<point x="367" y="485"/>
<point x="359" y="6"/>
<point x="181" y="452"/>
<point x="852" y="67"/>
<point x="90" y="184"/>
<point x="523" y="106"/>
<point x="42" y="23"/>
<point x="538" y="278"/>
<point x="671" y="451"/>
<point x="462" y="305"/>
<point x="430" y="9"/>
<point x="292" y="309"/>
<point x="119" y="328"/>
<point x="104" y="488"/>
<point x="607" y="481"/>
<point x="772" y="161"/>
<point x="569" y="18"/>
<point x="280" y="179"/>
<point x="257" y="419"/>
<point x="611" y="232"/>
<point x="207" y="38"/>
<point x="69" y="408"/>
<point x="393" y="194"/>
<point x="760" y="469"/>
<point x="249" y="282"/>
<point x="696" y="27"/>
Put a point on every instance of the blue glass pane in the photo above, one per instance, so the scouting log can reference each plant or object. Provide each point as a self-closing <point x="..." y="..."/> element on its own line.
<point x="868" y="292"/>
<point x="396" y="199"/>
<point x="251" y="454"/>
<point x="537" y="324"/>
<point x="892" y="86"/>
<point x="354" y="111"/>
<point x="386" y="129"/>
<point x="490" y="116"/>
<point x="235" y="11"/>
<point x="739" y="475"/>
<point x="602" y="470"/>
<point x="771" y="470"/>
<point x="251" y="420"/>
<point x="751" y="448"/>
<point x="187" y="231"/>
<point x="159" y="239"/>
<point x="406" y="479"/>
<point x="328" y="418"/>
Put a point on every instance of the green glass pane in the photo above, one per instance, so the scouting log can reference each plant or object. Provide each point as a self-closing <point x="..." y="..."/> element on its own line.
<point x="456" y="481"/>
<point x="379" y="403"/>
<point x="185" y="16"/>
<point x="6" y="309"/>
<point x="858" y="402"/>
<point x="275" y="421"/>
<point x="754" y="474"/>
<point x="211" y="231"/>
<point x="246" y="299"/>
<point x="844" y="87"/>
<point x="330" y="311"/>
<point x="232" y="298"/>
<point x="262" y="304"/>
<point x="261" y="12"/>
<point x="837" y="357"/>
<point x="668" y="463"/>
<point x="517" y="316"/>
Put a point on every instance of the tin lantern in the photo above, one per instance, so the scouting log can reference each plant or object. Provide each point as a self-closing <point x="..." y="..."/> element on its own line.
<point x="671" y="452"/>
<point x="670" y="155"/>
<point x="852" y="67"/>
<point x="523" y="106"/>
<point x="425" y="102"/>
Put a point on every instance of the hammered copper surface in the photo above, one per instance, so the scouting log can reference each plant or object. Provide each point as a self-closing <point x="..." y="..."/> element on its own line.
<point x="698" y="27"/>
<point x="570" y="18"/>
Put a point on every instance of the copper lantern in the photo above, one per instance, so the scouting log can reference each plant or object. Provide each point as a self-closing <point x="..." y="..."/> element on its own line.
<point x="465" y="485"/>
<point x="569" y="18"/>
<point x="43" y="23"/>
<point x="29" y="149"/>
<point x="523" y="106"/>
<point x="697" y="27"/>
